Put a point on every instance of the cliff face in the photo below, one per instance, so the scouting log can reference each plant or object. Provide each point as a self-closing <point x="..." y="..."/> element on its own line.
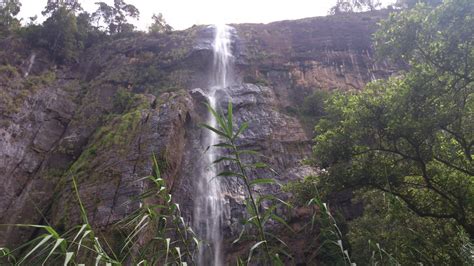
<point x="101" y="120"/>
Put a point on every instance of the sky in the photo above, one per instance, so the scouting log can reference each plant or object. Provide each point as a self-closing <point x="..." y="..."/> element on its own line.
<point x="182" y="14"/>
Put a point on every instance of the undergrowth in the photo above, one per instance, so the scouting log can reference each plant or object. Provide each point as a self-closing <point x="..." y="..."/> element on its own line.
<point x="156" y="233"/>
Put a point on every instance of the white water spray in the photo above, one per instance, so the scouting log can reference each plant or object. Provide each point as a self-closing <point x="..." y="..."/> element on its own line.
<point x="30" y="64"/>
<point x="209" y="201"/>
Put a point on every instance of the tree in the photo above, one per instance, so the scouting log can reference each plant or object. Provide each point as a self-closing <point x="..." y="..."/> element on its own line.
<point x="159" y="24"/>
<point x="53" y="5"/>
<point x="116" y="16"/>
<point x="411" y="136"/>
<point x="64" y="32"/>
<point x="88" y="33"/>
<point x="8" y="10"/>
<point x="61" y="35"/>
<point x="346" y="6"/>
<point x="388" y="233"/>
<point x="412" y="3"/>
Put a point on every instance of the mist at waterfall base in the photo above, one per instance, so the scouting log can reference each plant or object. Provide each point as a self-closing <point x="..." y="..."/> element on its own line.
<point x="209" y="201"/>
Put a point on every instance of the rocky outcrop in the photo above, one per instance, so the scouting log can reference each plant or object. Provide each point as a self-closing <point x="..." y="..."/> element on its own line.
<point x="297" y="57"/>
<point x="35" y="115"/>
<point x="100" y="122"/>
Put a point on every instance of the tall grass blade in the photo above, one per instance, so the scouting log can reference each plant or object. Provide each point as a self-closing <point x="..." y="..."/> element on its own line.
<point x="255" y="246"/>
<point x="83" y="210"/>
<point x="45" y="239"/>
<point x="56" y="245"/>
<point x="68" y="257"/>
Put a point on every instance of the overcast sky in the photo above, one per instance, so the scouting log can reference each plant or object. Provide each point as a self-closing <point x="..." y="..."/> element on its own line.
<point x="182" y="14"/>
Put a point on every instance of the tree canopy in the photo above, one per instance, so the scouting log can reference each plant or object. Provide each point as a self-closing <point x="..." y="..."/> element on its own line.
<point x="8" y="10"/>
<point x="345" y="6"/>
<point x="53" y="5"/>
<point x="159" y="24"/>
<point x="412" y="135"/>
<point x="116" y="16"/>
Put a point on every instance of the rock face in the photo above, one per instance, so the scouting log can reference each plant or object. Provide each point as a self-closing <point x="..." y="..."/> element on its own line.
<point x="101" y="121"/>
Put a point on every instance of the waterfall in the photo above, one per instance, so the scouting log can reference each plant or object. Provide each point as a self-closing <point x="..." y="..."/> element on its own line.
<point x="208" y="205"/>
<point x="30" y="65"/>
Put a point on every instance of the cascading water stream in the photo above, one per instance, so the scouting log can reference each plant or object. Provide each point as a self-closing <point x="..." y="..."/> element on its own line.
<point x="30" y="64"/>
<point x="209" y="200"/>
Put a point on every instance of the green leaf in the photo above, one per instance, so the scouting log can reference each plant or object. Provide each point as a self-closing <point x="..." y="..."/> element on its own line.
<point x="229" y="118"/>
<point x="220" y="121"/>
<point x="52" y="231"/>
<point x="157" y="167"/>
<point x="56" y="245"/>
<point x="240" y="236"/>
<point x="224" y="145"/>
<point x="240" y="262"/>
<point x="218" y="132"/>
<point x="83" y="210"/>
<point x="82" y="228"/>
<point x="178" y="250"/>
<point x="168" y="241"/>
<point x="68" y="258"/>
<point x="280" y="220"/>
<point x="224" y="159"/>
<point x="256" y="245"/>
<point x="252" y="220"/>
<point x="260" y="181"/>
<point x="5" y="252"/>
<point x="248" y="152"/>
<point x="276" y="238"/>
<point x="86" y="233"/>
<point x="242" y="128"/>
<point x="271" y="197"/>
<point x="267" y="214"/>
<point x="277" y="261"/>
<point x="45" y="239"/>
<point x="229" y="173"/>
<point x="143" y="262"/>
<point x="259" y="165"/>
<point x="98" y="259"/>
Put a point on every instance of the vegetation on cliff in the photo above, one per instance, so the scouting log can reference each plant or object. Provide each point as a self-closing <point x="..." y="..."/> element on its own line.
<point x="404" y="145"/>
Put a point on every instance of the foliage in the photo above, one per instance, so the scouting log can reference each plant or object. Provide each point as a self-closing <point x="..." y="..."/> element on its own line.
<point x="303" y="190"/>
<point x="123" y="99"/>
<point x="174" y="241"/>
<point x="411" y="136"/>
<point x="64" y="33"/>
<point x="8" y="10"/>
<point x="257" y="218"/>
<point x="330" y="243"/>
<point x="61" y="35"/>
<point x="313" y="108"/>
<point x="159" y="25"/>
<point x="170" y="242"/>
<point x="389" y="233"/>
<point x="412" y="3"/>
<point x="87" y="33"/>
<point x="116" y="16"/>
<point x="330" y="249"/>
<point x="53" y="6"/>
<point x="346" y="6"/>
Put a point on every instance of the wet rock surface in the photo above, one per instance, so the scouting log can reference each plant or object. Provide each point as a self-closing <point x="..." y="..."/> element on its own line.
<point x="101" y="121"/>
